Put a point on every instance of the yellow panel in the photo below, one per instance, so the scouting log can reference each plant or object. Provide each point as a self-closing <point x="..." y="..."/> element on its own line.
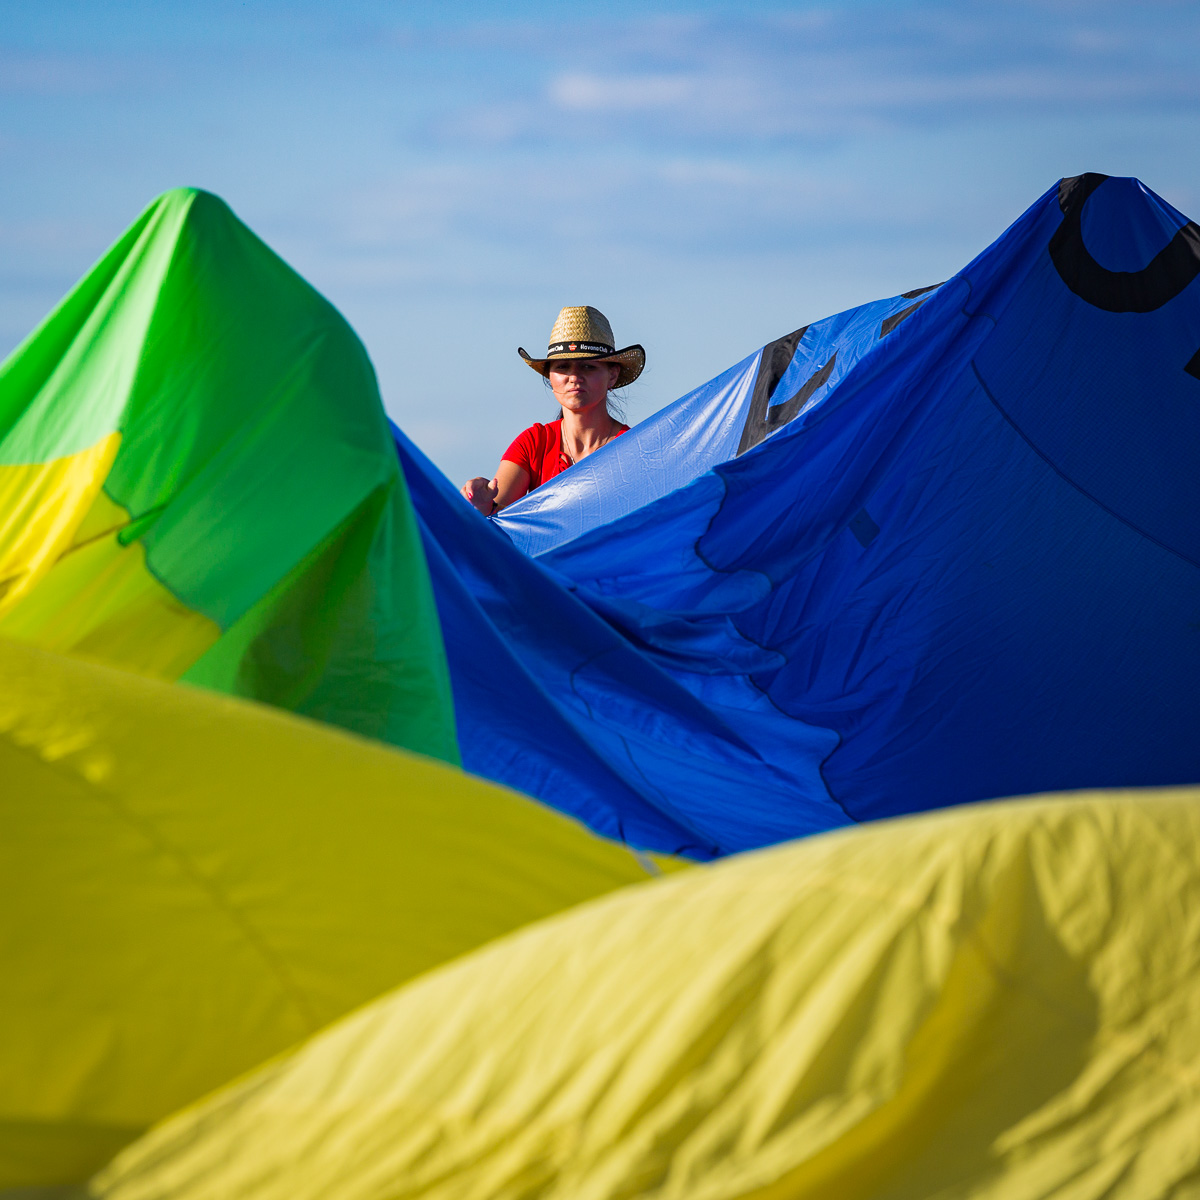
<point x="994" y="1002"/>
<point x="190" y="883"/>
<point x="99" y="599"/>
<point x="41" y="506"/>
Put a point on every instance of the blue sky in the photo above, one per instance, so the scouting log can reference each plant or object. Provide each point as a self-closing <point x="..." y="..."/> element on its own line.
<point x="710" y="175"/>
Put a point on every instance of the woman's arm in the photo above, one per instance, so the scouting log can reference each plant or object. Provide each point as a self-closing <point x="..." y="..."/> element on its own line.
<point x="510" y="483"/>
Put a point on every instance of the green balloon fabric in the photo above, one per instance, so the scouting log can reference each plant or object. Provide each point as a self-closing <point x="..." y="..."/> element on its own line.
<point x="190" y="883"/>
<point x="197" y="479"/>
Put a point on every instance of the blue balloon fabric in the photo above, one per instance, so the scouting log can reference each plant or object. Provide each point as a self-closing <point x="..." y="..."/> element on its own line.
<point x="707" y="427"/>
<point x="937" y="549"/>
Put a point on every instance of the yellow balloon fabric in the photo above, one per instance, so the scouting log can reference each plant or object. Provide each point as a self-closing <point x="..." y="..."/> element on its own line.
<point x="994" y="1001"/>
<point x="91" y="594"/>
<point x="191" y="883"/>
<point x="41" y="507"/>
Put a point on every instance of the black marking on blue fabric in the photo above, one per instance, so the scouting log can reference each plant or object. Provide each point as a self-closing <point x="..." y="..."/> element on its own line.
<point x="920" y="291"/>
<point x="781" y="414"/>
<point x="1160" y="280"/>
<point x="773" y="362"/>
<point x="891" y="322"/>
<point x="1193" y="366"/>
<point x="864" y="528"/>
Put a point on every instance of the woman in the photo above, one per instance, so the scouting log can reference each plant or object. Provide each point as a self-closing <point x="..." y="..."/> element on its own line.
<point x="582" y="368"/>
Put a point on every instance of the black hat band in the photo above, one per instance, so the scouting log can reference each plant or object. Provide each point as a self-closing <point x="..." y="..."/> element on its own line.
<point x="586" y="347"/>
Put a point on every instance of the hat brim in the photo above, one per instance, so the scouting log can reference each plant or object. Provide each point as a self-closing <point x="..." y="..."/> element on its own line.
<point x="631" y="361"/>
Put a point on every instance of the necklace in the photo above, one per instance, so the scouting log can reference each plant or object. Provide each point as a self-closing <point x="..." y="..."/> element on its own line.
<point x="562" y="442"/>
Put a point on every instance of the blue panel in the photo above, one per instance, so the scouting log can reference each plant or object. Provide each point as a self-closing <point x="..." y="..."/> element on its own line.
<point x="962" y="562"/>
<point x="552" y="701"/>
<point x="687" y="438"/>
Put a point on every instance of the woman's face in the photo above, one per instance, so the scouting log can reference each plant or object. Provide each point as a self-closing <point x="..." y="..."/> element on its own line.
<point x="580" y="384"/>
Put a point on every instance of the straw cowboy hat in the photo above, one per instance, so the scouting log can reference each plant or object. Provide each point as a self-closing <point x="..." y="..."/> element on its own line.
<point x="584" y="332"/>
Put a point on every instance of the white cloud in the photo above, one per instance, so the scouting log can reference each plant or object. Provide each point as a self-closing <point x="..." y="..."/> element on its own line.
<point x="622" y="93"/>
<point x="834" y="73"/>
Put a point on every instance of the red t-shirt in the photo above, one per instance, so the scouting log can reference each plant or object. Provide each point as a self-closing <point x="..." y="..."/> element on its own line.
<point x="539" y="451"/>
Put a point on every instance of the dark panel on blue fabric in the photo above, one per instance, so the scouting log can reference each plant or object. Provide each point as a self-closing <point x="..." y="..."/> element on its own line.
<point x="933" y="287"/>
<point x="781" y="414"/>
<point x="864" y="528"/>
<point x="775" y="359"/>
<point x="890" y="323"/>
<point x="1149" y="287"/>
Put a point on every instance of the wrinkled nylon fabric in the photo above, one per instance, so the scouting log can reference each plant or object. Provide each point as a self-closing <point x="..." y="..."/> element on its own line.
<point x="992" y="1002"/>
<point x="41" y="505"/>
<point x="97" y="596"/>
<point x="696" y="433"/>
<point x="589" y="723"/>
<point x="958" y="558"/>
<point x="192" y="883"/>
<point x="197" y="478"/>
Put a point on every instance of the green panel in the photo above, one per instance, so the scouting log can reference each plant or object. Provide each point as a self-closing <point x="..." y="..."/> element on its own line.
<point x="328" y="639"/>
<point x="65" y="387"/>
<point x="252" y="396"/>
<point x="252" y="439"/>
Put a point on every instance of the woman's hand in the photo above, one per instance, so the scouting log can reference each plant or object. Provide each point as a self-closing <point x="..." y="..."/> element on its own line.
<point x="481" y="493"/>
<point x="491" y="495"/>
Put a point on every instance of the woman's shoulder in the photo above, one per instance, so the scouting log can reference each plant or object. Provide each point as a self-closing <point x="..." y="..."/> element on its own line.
<point x="539" y="432"/>
<point x="535" y="439"/>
